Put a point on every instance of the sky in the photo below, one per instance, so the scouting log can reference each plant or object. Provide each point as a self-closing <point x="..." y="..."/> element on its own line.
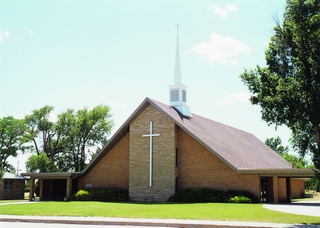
<point x="83" y="53"/>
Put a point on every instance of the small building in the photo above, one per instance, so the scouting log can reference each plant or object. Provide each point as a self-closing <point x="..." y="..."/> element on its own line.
<point x="12" y="186"/>
<point x="162" y="149"/>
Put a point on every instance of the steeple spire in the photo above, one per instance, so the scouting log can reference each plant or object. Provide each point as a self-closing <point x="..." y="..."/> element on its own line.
<point x="177" y="70"/>
<point x="178" y="91"/>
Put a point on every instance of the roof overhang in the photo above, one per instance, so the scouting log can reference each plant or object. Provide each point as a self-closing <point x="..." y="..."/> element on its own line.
<point x="293" y="173"/>
<point x="56" y="175"/>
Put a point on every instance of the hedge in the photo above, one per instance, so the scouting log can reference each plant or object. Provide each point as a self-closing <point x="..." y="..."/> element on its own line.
<point x="206" y="195"/>
<point x="101" y="194"/>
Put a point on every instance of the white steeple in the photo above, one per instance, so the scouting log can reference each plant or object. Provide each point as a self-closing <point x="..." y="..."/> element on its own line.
<point x="178" y="91"/>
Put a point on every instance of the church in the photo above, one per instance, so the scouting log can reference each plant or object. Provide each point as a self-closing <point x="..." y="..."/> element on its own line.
<point x="162" y="149"/>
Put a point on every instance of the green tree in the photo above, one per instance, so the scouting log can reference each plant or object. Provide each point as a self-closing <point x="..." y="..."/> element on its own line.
<point x="40" y="163"/>
<point x="84" y="129"/>
<point x="276" y="145"/>
<point x="288" y="88"/>
<point x="12" y="140"/>
<point x="67" y="141"/>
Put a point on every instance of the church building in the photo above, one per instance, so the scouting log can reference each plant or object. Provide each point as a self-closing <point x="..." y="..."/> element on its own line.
<point x="162" y="149"/>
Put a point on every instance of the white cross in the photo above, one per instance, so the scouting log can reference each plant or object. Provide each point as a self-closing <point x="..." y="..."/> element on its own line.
<point x="150" y="135"/>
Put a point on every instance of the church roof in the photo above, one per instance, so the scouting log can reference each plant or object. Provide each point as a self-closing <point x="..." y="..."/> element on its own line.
<point x="12" y="176"/>
<point x="240" y="150"/>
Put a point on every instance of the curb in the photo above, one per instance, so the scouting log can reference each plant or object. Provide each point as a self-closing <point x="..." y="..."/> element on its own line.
<point x="143" y="222"/>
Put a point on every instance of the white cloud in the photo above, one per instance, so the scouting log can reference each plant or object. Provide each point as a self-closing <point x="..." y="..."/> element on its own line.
<point x="220" y="49"/>
<point x="3" y="35"/>
<point x="235" y="97"/>
<point x="232" y="7"/>
<point x="222" y="12"/>
<point x="115" y="105"/>
<point x="30" y="31"/>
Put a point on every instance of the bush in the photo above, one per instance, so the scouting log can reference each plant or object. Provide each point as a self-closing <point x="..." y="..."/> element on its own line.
<point x="82" y="195"/>
<point x="101" y="194"/>
<point x="205" y="195"/>
<point x="239" y="199"/>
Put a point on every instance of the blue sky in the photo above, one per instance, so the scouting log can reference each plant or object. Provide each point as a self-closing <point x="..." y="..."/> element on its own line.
<point x="82" y="53"/>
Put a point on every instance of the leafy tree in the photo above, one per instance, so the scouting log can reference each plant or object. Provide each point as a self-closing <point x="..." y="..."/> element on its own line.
<point x="288" y="88"/>
<point x="276" y="145"/>
<point x="85" y="129"/>
<point x="40" y="163"/>
<point x="12" y="140"/>
<point x="67" y="141"/>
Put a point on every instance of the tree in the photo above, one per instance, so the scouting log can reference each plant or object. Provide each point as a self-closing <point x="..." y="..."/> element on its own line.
<point x="40" y="163"/>
<point x="84" y="129"/>
<point x="276" y="145"/>
<point x="66" y="141"/>
<point x="288" y="88"/>
<point x="12" y="140"/>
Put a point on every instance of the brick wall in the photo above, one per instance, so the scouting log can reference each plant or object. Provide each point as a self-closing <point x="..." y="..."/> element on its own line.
<point x="297" y="189"/>
<point x="163" y="179"/>
<point x="282" y="190"/>
<point x="199" y="168"/>
<point x="17" y="191"/>
<point x="112" y="170"/>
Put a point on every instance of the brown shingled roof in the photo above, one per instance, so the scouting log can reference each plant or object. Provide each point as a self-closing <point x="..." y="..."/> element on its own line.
<point x="241" y="151"/>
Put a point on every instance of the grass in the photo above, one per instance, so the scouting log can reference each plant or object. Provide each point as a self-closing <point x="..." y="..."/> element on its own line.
<point x="197" y="211"/>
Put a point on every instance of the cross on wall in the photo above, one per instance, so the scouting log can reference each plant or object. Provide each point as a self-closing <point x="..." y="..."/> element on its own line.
<point x="150" y="135"/>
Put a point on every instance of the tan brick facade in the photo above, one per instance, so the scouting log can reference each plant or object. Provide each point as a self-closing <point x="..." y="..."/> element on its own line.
<point x="199" y="168"/>
<point x="127" y="165"/>
<point x="17" y="191"/>
<point x="163" y="178"/>
<point x="297" y="189"/>
<point x="112" y="170"/>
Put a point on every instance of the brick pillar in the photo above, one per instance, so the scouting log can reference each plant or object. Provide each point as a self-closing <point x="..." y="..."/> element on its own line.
<point x="41" y="189"/>
<point x="68" y="188"/>
<point x="31" y="192"/>
<point x="275" y="189"/>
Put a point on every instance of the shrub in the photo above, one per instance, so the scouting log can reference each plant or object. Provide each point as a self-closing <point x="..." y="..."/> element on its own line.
<point x="101" y="194"/>
<point x="82" y="195"/>
<point x="239" y="199"/>
<point x="205" y="195"/>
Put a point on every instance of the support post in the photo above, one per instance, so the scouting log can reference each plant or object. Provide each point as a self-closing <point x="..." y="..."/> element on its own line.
<point x="68" y="188"/>
<point x="275" y="189"/>
<point x="41" y="189"/>
<point x="31" y="191"/>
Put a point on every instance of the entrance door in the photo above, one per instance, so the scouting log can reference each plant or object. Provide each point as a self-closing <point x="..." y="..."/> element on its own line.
<point x="266" y="190"/>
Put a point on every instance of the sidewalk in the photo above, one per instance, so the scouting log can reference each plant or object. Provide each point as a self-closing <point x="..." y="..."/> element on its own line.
<point x="309" y="208"/>
<point x="142" y="222"/>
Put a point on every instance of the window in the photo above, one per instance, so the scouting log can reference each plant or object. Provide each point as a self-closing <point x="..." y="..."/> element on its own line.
<point x="7" y="185"/>
<point x="174" y="95"/>
<point x="177" y="157"/>
<point x="184" y="96"/>
<point x="177" y="189"/>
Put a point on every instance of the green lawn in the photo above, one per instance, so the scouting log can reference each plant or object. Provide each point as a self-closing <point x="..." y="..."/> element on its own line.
<point x="208" y="211"/>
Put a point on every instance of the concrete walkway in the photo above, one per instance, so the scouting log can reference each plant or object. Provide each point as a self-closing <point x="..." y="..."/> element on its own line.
<point x="309" y="208"/>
